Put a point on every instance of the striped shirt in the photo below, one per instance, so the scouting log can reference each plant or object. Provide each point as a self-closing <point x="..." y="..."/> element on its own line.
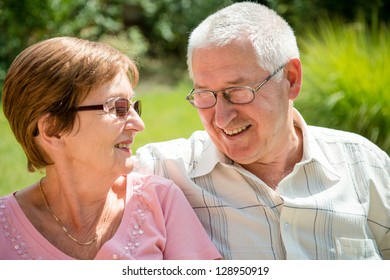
<point x="335" y="204"/>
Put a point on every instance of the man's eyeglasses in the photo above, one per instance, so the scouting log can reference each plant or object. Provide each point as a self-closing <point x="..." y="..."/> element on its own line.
<point x="117" y="107"/>
<point x="237" y="95"/>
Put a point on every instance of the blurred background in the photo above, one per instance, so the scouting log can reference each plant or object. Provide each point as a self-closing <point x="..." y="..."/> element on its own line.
<point x="345" y="51"/>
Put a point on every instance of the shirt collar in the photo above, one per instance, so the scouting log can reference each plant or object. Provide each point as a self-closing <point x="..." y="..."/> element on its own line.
<point x="209" y="158"/>
<point x="311" y="149"/>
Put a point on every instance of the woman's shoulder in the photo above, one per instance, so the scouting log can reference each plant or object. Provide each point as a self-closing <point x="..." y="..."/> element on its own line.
<point x="7" y="201"/>
<point x="149" y="180"/>
<point x="151" y="184"/>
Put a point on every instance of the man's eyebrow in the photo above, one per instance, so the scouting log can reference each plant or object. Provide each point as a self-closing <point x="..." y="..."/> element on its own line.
<point x="240" y="81"/>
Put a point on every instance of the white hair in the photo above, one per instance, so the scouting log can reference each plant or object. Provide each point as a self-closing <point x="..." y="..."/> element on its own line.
<point x="272" y="37"/>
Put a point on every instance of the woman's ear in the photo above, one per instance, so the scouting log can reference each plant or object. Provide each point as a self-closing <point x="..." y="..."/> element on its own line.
<point x="47" y="134"/>
<point x="294" y="76"/>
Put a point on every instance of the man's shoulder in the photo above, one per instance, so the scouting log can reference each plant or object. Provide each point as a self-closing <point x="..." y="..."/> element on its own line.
<point x="332" y="135"/>
<point x="159" y="157"/>
<point x="334" y="139"/>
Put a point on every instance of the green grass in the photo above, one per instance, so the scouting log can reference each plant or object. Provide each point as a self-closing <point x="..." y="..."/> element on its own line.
<point x="13" y="164"/>
<point x="166" y="114"/>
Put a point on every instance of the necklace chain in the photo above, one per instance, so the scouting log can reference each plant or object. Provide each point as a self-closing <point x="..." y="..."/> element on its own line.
<point x="62" y="225"/>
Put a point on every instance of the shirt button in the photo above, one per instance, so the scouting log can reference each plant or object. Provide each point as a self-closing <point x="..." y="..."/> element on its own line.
<point x="286" y="226"/>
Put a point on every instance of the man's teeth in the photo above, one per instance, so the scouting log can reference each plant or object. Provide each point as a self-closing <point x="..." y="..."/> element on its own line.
<point x="235" y="131"/>
<point x="122" y="146"/>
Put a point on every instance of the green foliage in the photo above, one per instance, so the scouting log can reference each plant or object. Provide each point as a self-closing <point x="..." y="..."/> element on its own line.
<point x="19" y="23"/>
<point x="346" y="79"/>
<point x="25" y="22"/>
<point x="166" y="24"/>
<point x="301" y="12"/>
<point x="156" y="28"/>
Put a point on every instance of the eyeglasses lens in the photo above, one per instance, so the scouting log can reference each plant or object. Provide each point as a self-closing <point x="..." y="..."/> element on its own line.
<point x="137" y="107"/>
<point x="122" y="107"/>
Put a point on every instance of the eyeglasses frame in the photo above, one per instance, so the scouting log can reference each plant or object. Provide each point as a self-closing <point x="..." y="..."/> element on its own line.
<point x="136" y="105"/>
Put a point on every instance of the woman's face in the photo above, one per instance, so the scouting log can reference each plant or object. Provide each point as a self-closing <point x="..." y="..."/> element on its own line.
<point x="98" y="142"/>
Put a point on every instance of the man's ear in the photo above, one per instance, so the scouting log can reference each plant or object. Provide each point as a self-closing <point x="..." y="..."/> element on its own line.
<point x="294" y="76"/>
<point x="46" y="128"/>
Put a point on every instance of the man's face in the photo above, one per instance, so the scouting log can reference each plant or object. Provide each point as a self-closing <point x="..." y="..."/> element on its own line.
<point x="246" y="133"/>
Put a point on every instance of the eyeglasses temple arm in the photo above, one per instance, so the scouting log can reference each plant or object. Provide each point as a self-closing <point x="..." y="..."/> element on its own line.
<point x="90" y="108"/>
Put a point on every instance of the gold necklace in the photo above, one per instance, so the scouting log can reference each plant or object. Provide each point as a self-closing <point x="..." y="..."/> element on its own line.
<point x="64" y="228"/>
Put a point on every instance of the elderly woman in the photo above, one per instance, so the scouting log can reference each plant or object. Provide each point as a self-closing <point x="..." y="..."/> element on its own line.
<point x="70" y="103"/>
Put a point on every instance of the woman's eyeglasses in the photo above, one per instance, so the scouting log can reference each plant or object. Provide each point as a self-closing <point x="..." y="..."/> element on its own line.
<point x="117" y="107"/>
